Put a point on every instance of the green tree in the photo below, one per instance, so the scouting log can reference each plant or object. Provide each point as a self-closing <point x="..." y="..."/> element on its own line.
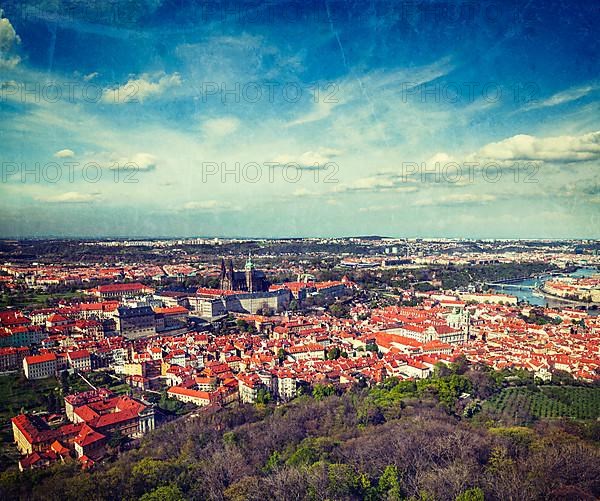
<point x="338" y="310"/>
<point x="474" y="494"/>
<point x="230" y="438"/>
<point x="304" y="455"/>
<point x="372" y="347"/>
<point x="64" y="382"/>
<point x="322" y="390"/>
<point x="389" y="484"/>
<point x="263" y="396"/>
<point x="242" y="325"/>
<point x="281" y="355"/>
<point x="165" y="493"/>
<point x="344" y="483"/>
<point x="148" y="474"/>
<point x="460" y="365"/>
<point x="273" y="462"/>
<point x="116" y="439"/>
<point x="334" y="353"/>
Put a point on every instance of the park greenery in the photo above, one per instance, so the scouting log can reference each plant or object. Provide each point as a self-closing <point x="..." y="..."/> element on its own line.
<point x="530" y="403"/>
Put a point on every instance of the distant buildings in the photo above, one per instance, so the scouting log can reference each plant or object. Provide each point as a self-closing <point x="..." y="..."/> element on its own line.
<point x="32" y="434"/>
<point x="110" y="414"/>
<point x="40" y="366"/>
<point x="249" y="387"/>
<point x="307" y="351"/>
<point x="19" y="331"/>
<point x="134" y="323"/>
<point x="154" y="341"/>
<point x="117" y="291"/>
<point x="80" y="360"/>
<point x="12" y="358"/>
<point x="300" y="290"/>
<point x="215" y="302"/>
<point x="488" y="298"/>
<point x="581" y="289"/>
<point x="284" y="384"/>
<point x="187" y="395"/>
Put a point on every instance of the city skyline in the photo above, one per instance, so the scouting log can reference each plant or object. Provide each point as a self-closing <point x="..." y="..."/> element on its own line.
<point x="299" y="249"/>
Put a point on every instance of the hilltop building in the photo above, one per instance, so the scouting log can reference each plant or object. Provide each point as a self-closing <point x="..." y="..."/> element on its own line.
<point x="249" y="280"/>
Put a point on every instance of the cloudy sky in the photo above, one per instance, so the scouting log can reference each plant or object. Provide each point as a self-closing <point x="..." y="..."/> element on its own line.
<point x="174" y="118"/>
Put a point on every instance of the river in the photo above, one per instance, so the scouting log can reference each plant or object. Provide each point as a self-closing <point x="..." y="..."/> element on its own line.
<point x="537" y="299"/>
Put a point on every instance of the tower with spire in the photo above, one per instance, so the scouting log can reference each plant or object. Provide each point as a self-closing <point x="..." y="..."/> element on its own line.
<point x="227" y="275"/>
<point x="249" y="270"/>
<point x="250" y="279"/>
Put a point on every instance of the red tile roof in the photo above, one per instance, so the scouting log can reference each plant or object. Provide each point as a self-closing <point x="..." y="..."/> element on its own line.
<point x="76" y="355"/>
<point x="178" y="390"/>
<point x="134" y="286"/>
<point x="38" y="359"/>
<point x="88" y="436"/>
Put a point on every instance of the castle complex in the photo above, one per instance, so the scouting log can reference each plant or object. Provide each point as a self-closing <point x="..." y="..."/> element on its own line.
<point x="249" y="280"/>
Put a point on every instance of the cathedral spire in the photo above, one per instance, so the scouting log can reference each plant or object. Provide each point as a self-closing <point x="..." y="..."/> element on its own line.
<point x="249" y="263"/>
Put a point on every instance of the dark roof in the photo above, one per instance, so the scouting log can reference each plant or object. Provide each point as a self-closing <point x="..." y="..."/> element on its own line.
<point x="141" y="311"/>
<point x="241" y="275"/>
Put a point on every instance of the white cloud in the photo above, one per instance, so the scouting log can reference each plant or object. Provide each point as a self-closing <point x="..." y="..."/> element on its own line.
<point x="142" y="88"/>
<point x="66" y="153"/>
<point x="578" y="189"/>
<point x="223" y="126"/>
<point x="303" y="193"/>
<point x="555" y="149"/>
<point x="370" y="89"/>
<point x="564" y="96"/>
<point x="8" y="40"/>
<point x="91" y="76"/>
<point x="456" y="199"/>
<point x="372" y="183"/>
<point x="379" y="183"/>
<point x="405" y="189"/>
<point x="378" y="208"/>
<point x="320" y="111"/>
<point x="240" y="58"/>
<point x="330" y="152"/>
<point x="309" y="158"/>
<point x="440" y="157"/>
<point x="207" y="205"/>
<point x="143" y="162"/>
<point x="70" y="197"/>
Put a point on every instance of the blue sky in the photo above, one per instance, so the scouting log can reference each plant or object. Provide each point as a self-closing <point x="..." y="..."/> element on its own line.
<point x="300" y="119"/>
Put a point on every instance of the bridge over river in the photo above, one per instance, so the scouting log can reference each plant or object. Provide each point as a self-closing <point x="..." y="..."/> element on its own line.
<point x="516" y="283"/>
<point x="531" y="289"/>
<point x="502" y="285"/>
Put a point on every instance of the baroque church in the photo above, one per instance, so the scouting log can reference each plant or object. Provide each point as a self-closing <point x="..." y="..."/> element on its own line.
<point x="249" y="280"/>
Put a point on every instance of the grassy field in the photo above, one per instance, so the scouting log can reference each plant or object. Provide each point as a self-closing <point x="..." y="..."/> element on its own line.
<point x="35" y="299"/>
<point x="100" y="380"/>
<point x="549" y="402"/>
<point x="18" y="393"/>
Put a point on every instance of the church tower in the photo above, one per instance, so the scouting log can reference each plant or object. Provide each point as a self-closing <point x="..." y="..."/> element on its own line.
<point x="226" y="276"/>
<point x="249" y="269"/>
<point x="231" y="276"/>
<point x="222" y="275"/>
